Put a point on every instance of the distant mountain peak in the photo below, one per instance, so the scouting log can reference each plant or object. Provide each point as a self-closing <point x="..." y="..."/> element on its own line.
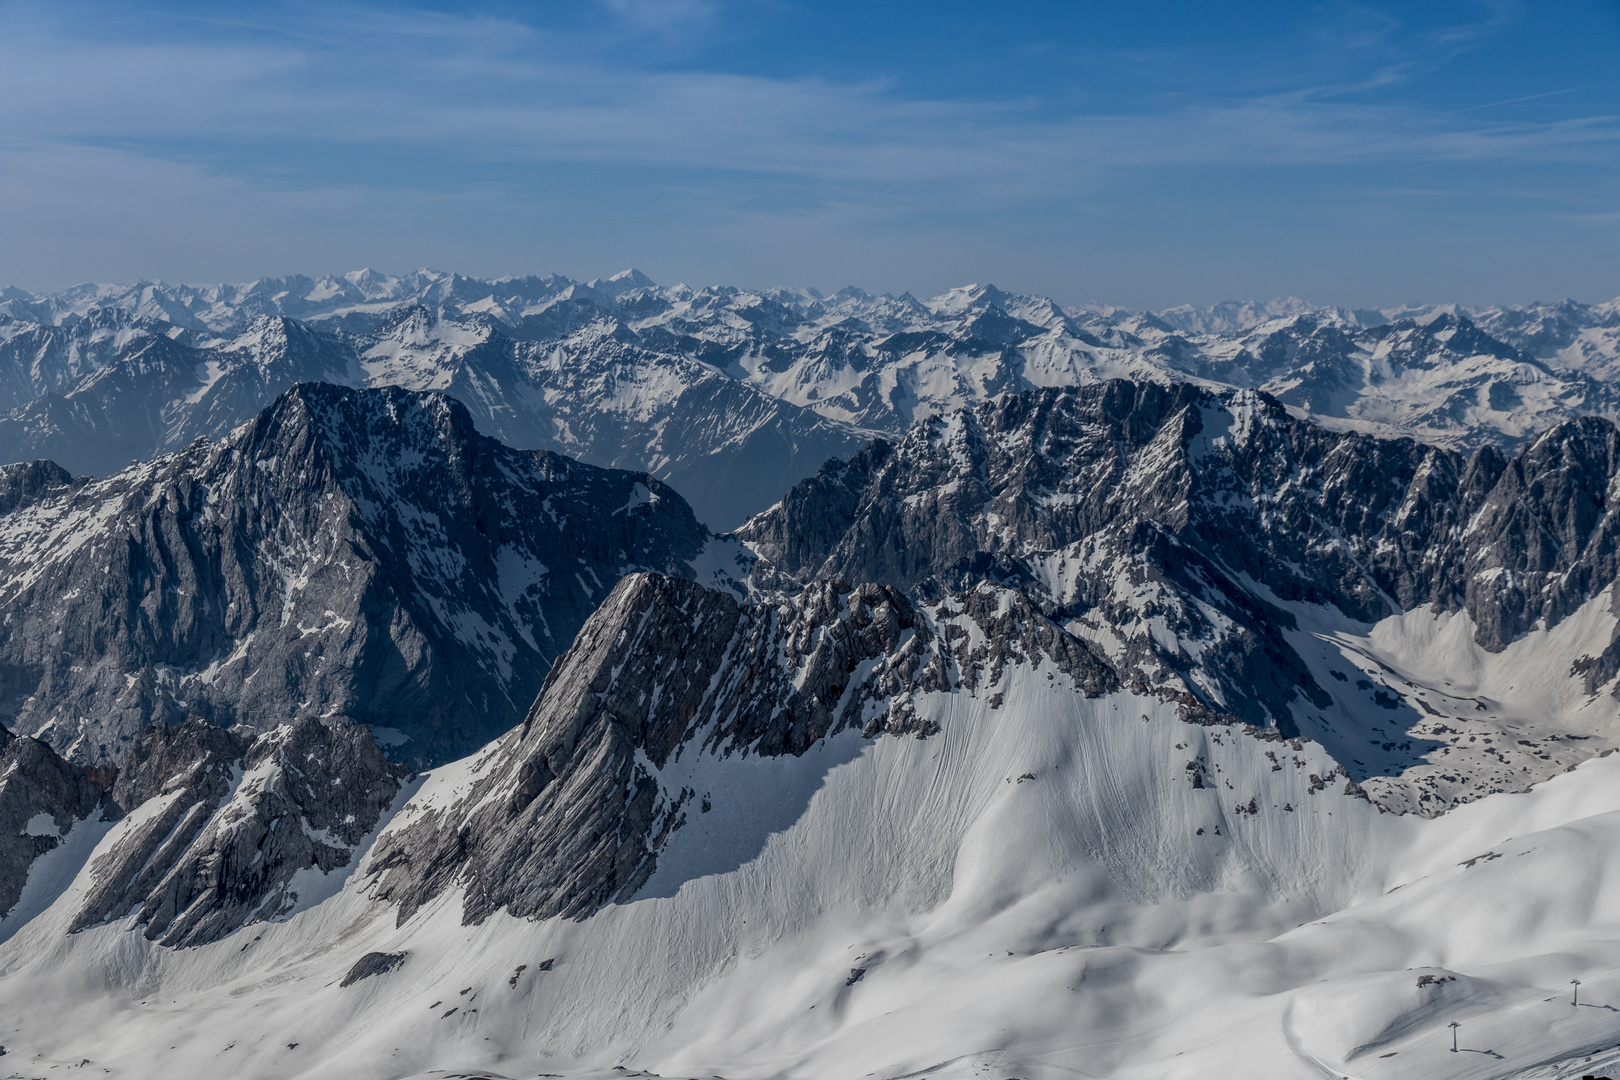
<point x="625" y="281"/>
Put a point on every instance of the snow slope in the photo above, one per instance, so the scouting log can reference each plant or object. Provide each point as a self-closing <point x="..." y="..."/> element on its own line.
<point x="1037" y="890"/>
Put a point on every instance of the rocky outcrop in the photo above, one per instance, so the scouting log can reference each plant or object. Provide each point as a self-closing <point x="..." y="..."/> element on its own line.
<point x="372" y="964"/>
<point x="29" y="482"/>
<point x="41" y="797"/>
<point x="363" y="556"/>
<point x="221" y="834"/>
<point x="215" y="831"/>
<point x="568" y="812"/>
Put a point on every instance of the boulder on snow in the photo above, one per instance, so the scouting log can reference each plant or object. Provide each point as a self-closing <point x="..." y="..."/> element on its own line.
<point x="373" y="963"/>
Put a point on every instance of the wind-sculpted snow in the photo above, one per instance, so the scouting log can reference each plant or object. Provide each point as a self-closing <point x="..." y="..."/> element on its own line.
<point x="569" y="811"/>
<point x="732" y="395"/>
<point x="364" y="556"/>
<point x="1184" y="531"/>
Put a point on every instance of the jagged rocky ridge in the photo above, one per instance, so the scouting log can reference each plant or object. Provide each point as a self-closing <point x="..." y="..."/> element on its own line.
<point x="734" y="394"/>
<point x="1051" y="489"/>
<point x="1159" y="539"/>
<point x="364" y="556"/>
<point x="1173" y="525"/>
<point x="568" y="812"/>
<point x="218" y="829"/>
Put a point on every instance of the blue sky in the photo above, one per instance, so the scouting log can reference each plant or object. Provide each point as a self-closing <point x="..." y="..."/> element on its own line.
<point x="1142" y="154"/>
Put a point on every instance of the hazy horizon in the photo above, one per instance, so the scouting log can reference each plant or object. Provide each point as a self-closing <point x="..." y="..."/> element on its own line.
<point x="820" y="290"/>
<point x="1357" y="155"/>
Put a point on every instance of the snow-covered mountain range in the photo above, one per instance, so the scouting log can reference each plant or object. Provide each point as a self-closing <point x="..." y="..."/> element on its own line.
<point x="732" y="395"/>
<point x="1201" y="723"/>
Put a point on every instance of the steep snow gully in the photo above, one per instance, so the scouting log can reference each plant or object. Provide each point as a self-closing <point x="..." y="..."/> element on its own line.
<point x="991" y="821"/>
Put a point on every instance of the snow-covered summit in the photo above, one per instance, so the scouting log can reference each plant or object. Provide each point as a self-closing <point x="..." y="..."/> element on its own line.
<point x="354" y="555"/>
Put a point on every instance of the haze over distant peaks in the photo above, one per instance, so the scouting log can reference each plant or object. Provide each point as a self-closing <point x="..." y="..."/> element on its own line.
<point x="734" y="394"/>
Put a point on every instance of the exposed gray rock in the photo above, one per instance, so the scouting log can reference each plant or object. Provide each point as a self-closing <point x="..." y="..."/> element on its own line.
<point x="223" y="836"/>
<point x="192" y="768"/>
<point x="378" y="963"/>
<point x="362" y="555"/>
<point x="215" y="832"/>
<point x="567" y="813"/>
<point x="30" y="482"/>
<point x="195" y="758"/>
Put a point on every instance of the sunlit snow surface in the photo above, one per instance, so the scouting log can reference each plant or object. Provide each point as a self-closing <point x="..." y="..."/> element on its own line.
<point x="1025" y="894"/>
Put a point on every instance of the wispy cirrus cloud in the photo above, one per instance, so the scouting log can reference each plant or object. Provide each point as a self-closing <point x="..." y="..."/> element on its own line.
<point x="475" y="91"/>
<point x="663" y="15"/>
<point x="436" y="114"/>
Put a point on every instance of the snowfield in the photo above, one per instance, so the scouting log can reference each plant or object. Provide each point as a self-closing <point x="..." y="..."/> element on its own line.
<point x="1039" y="890"/>
<point x="1447" y="720"/>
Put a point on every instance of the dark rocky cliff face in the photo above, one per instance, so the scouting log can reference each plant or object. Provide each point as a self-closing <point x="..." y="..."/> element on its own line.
<point x="215" y="831"/>
<point x="1124" y="505"/>
<point x="567" y="813"/>
<point x="29" y="482"/>
<point x="362" y="556"/>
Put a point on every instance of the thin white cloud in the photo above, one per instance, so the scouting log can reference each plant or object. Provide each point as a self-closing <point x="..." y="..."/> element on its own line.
<point x="324" y="139"/>
<point x="662" y="15"/>
<point x="478" y="87"/>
